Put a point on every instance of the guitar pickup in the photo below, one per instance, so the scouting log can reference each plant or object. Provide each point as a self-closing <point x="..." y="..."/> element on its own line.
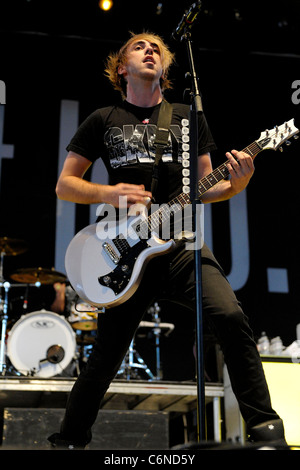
<point x="111" y="253"/>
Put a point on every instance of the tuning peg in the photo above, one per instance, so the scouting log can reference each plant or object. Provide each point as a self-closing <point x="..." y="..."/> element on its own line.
<point x="296" y="137"/>
<point x="280" y="149"/>
<point x="288" y="143"/>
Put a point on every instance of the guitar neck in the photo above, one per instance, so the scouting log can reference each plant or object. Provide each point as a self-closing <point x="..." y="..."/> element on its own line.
<point x="222" y="171"/>
<point x="177" y="204"/>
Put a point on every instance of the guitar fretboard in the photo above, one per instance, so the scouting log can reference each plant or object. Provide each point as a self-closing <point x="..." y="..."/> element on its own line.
<point x="163" y="214"/>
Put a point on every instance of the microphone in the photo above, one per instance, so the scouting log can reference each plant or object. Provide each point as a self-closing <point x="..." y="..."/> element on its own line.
<point x="187" y="20"/>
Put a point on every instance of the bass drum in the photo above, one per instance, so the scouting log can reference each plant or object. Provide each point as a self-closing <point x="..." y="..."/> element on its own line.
<point x="41" y="344"/>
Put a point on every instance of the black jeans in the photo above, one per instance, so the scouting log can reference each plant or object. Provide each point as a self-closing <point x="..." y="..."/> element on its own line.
<point x="172" y="276"/>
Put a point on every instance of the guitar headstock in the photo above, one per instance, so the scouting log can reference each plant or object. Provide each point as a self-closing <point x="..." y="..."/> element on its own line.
<point x="274" y="138"/>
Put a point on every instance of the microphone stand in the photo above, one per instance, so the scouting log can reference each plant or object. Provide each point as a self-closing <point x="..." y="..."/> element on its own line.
<point x="196" y="109"/>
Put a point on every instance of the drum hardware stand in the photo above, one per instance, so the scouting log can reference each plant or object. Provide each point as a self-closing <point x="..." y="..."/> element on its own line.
<point x="157" y="332"/>
<point x="4" y="311"/>
<point x="157" y="327"/>
<point x="132" y="355"/>
<point x="129" y="364"/>
<point x="4" y="315"/>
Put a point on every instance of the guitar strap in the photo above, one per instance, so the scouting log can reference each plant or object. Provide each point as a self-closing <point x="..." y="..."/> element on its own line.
<point x="161" y="141"/>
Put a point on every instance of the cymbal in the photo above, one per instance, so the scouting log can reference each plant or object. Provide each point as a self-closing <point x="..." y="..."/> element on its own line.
<point x="32" y="275"/>
<point x="85" y="325"/>
<point x="12" y="246"/>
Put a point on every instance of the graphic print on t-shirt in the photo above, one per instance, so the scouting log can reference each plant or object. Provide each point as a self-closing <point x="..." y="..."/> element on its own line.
<point x="135" y="144"/>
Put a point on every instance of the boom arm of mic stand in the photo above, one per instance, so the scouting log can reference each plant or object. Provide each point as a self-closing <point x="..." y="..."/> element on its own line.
<point x="195" y="89"/>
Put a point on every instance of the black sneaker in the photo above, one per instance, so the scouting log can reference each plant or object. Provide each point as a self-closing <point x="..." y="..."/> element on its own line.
<point x="271" y="432"/>
<point x="58" y="443"/>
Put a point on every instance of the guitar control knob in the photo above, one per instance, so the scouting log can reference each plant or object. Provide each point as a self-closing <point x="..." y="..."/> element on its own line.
<point x="106" y="280"/>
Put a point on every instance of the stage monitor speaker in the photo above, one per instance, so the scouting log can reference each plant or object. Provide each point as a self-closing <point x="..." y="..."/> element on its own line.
<point x="28" y="428"/>
<point x="283" y="378"/>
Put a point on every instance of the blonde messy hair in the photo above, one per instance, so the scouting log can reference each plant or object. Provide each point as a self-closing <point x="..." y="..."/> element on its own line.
<point x="116" y="59"/>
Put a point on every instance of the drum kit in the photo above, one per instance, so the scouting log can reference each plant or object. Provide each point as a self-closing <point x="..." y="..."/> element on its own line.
<point x="41" y="343"/>
<point x="46" y="344"/>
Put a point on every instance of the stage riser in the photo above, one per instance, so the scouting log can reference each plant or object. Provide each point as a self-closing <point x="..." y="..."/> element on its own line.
<point x="28" y="428"/>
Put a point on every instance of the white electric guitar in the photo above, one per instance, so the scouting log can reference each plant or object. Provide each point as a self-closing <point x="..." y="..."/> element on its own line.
<point x="105" y="261"/>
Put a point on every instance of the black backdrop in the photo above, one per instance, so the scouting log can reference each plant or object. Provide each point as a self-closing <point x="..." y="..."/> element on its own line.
<point x="245" y="88"/>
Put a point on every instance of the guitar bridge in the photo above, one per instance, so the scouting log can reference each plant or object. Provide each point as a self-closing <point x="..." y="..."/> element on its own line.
<point x="119" y="277"/>
<point x="111" y="252"/>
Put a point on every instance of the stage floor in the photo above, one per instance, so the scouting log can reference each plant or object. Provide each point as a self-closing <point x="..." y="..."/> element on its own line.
<point x="122" y="394"/>
<point x="27" y="402"/>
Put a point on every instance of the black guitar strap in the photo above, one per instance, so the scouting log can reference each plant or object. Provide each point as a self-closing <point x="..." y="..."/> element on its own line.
<point x="161" y="141"/>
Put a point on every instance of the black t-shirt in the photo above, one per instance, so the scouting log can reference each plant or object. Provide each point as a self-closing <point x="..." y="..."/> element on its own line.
<point x="123" y="136"/>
